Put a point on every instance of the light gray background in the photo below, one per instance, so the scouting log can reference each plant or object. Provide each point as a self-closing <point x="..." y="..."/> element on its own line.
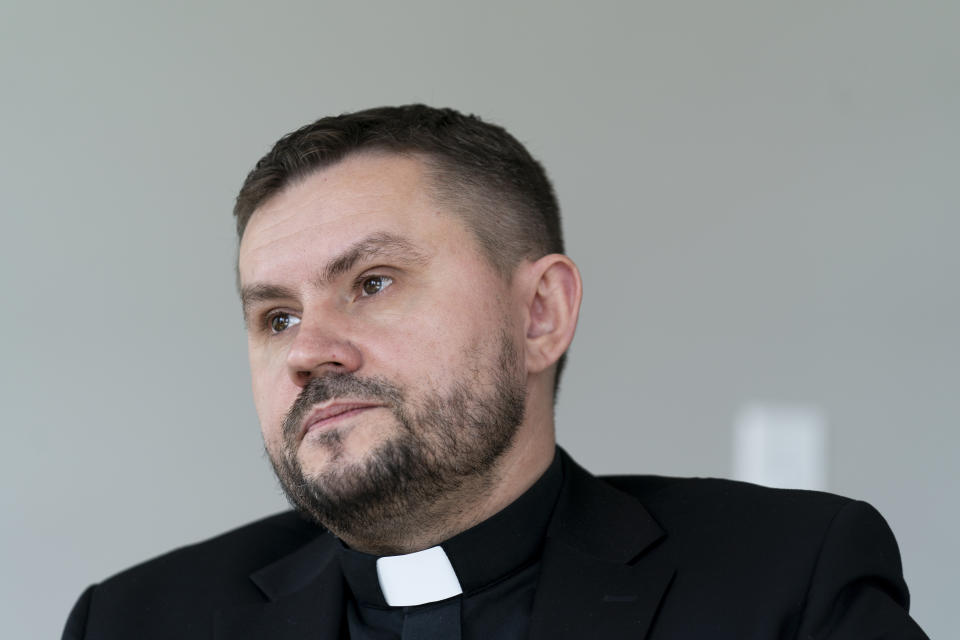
<point x="762" y="197"/>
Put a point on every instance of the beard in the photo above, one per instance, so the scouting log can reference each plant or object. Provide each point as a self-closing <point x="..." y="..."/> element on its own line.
<point x="445" y="445"/>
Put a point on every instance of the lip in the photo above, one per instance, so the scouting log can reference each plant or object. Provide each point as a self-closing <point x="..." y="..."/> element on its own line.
<point x="325" y="415"/>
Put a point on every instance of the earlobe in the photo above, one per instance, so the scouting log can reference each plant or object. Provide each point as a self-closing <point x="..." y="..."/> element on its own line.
<point x="554" y="306"/>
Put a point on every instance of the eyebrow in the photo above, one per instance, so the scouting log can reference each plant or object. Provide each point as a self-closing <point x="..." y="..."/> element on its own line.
<point x="376" y="245"/>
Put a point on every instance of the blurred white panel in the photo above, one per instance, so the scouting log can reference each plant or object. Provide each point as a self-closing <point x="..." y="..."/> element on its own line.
<point x="781" y="446"/>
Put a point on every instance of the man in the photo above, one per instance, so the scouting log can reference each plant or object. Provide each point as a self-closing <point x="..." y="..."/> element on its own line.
<point x="408" y="305"/>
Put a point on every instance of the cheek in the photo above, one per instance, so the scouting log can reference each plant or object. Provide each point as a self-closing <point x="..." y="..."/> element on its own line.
<point x="271" y="388"/>
<point x="429" y="348"/>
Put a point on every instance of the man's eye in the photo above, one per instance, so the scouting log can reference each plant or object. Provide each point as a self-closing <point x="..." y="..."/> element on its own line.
<point x="373" y="285"/>
<point x="281" y="322"/>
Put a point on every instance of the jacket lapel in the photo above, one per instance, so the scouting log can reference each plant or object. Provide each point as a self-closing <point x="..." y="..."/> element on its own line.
<point x="304" y="598"/>
<point x="600" y="575"/>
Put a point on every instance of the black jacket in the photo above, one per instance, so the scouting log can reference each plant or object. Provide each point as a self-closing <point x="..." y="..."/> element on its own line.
<point x="625" y="557"/>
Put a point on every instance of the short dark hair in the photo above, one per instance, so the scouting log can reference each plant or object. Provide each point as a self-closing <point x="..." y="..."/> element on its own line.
<point x="477" y="169"/>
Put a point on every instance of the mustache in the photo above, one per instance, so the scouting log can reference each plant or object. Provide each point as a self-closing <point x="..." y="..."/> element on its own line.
<point x="337" y="385"/>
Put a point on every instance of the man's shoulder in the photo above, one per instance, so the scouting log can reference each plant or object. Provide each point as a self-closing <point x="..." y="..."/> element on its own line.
<point x="228" y="557"/>
<point x="174" y="594"/>
<point x="712" y="520"/>
<point x="774" y="557"/>
<point x="685" y="494"/>
<point x="690" y="508"/>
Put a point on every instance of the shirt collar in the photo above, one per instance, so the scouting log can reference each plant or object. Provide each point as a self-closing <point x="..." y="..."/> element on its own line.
<point x="487" y="552"/>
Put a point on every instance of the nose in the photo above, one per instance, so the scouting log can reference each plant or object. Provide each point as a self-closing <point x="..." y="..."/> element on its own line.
<point x="318" y="350"/>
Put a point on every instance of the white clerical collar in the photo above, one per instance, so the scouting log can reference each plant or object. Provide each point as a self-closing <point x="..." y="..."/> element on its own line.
<point x="417" y="578"/>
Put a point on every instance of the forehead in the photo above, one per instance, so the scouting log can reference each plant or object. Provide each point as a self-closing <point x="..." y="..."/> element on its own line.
<point x="334" y="207"/>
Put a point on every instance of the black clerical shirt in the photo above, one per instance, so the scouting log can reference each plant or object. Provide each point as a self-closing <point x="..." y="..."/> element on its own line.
<point x="497" y="563"/>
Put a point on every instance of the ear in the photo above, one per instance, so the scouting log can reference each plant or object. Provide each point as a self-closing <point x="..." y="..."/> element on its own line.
<point x="553" y="304"/>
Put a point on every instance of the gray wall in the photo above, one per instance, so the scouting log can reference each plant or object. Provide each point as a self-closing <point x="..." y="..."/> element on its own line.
<point x="762" y="198"/>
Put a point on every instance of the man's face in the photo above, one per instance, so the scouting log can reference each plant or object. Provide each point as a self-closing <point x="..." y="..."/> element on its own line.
<point x="384" y="347"/>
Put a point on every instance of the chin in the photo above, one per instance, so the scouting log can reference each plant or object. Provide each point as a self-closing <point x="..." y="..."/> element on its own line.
<point x="320" y="452"/>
